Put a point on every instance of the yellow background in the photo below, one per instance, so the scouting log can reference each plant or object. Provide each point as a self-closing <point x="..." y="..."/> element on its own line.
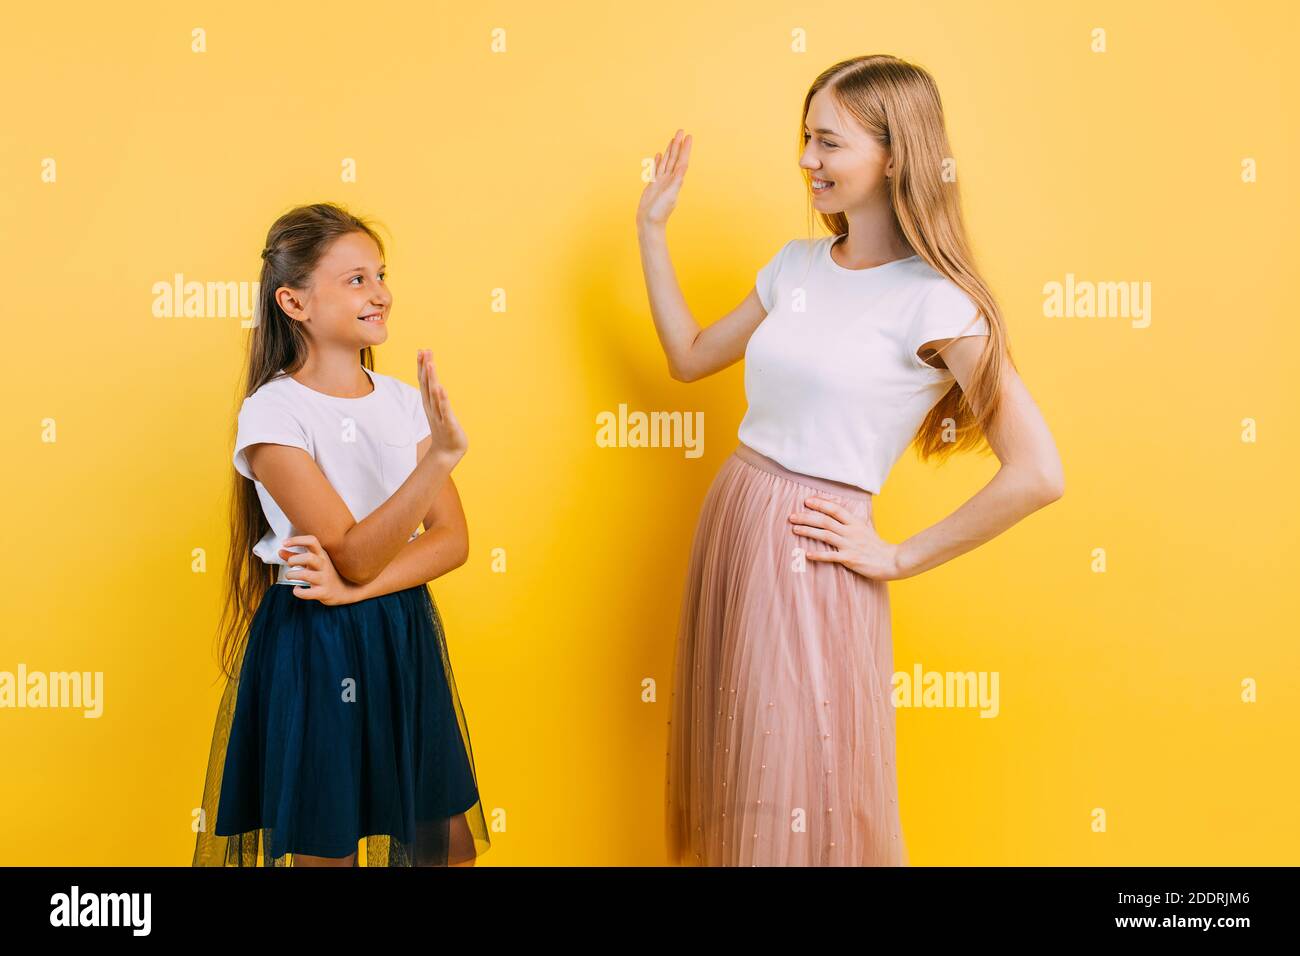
<point x="521" y="171"/>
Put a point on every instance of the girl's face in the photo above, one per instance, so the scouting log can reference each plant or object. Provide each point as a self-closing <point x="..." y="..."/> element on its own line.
<point x="347" y="303"/>
<point x="838" y="151"/>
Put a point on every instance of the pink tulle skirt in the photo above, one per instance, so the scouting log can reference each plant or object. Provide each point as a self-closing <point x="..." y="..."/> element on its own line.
<point x="781" y="741"/>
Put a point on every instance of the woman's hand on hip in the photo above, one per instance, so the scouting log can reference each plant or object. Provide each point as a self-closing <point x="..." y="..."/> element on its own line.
<point x="659" y="197"/>
<point x="857" y="546"/>
<point x="315" y="567"/>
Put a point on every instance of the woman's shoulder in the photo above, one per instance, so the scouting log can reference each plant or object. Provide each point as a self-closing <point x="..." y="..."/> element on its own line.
<point x="796" y="253"/>
<point x="803" y="247"/>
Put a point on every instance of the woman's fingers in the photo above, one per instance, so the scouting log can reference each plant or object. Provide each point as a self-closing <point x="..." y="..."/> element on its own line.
<point x="667" y="166"/>
<point x="666" y="162"/>
<point x="813" y="519"/>
<point x="830" y="537"/>
<point x="685" y="158"/>
<point x="830" y="507"/>
<point x="825" y="556"/>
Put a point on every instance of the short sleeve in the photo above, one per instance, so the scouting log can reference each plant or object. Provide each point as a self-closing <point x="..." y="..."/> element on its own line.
<point x="415" y="409"/>
<point x="765" y="281"/>
<point x="946" y="312"/>
<point x="260" y="421"/>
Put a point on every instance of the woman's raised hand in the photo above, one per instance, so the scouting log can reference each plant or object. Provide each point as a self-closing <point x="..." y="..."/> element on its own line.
<point x="449" y="439"/>
<point x="659" y="197"/>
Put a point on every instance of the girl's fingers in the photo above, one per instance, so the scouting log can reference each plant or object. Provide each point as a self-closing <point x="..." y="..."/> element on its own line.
<point x="307" y="593"/>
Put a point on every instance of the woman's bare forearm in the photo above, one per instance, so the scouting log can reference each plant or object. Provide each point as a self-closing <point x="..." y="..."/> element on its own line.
<point x="429" y="556"/>
<point x="1011" y="495"/>
<point x="371" y="544"/>
<point x="674" y="323"/>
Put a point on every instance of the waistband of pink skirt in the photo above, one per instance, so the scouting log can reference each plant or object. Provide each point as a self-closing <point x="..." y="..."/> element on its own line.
<point x="761" y="461"/>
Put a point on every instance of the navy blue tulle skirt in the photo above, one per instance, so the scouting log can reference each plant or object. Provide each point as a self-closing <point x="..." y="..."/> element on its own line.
<point x="342" y="724"/>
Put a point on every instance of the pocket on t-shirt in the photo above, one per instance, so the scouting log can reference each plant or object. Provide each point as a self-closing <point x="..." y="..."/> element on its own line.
<point x="396" y="459"/>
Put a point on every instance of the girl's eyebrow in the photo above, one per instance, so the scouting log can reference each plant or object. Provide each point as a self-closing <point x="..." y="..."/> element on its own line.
<point x="382" y="267"/>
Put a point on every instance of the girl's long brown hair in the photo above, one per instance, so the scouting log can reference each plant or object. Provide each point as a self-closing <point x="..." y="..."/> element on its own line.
<point x="898" y="103"/>
<point x="294" y="245"/>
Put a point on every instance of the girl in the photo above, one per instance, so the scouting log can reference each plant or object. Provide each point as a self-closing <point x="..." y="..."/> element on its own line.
<point x="340" y="718"/>
<point x="781" y="743"/>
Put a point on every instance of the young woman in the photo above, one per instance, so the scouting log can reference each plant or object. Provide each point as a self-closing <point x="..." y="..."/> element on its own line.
<point x="340" y="718"/>
<point x="781" y="742"/>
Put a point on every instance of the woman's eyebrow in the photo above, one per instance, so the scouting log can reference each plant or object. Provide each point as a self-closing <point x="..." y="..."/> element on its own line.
<point x="831" y="131"/>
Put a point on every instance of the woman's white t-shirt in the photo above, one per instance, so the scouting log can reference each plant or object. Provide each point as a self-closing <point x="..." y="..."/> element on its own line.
<point x="834" y="385"/>
<point x="364" y="446"/>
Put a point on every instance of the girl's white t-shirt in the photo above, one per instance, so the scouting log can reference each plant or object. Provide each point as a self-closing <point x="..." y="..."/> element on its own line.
<point x="834" y="385"/>
<point x="364" y="446"/>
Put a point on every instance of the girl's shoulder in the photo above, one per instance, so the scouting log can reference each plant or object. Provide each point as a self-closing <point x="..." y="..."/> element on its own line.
<point x="395" y="388"/>
<point x="274" y="393"/>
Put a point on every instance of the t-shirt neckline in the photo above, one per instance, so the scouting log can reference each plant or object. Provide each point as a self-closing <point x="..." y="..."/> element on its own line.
<point x="374" y="390"/>
<point x="867" y="271"/>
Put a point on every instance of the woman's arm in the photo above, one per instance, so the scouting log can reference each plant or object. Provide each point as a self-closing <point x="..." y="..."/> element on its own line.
<point x="1029" y="478"/>
<point x="692" y="353"/>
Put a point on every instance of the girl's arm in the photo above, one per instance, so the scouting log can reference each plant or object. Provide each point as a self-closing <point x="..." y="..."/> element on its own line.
<point x="692" y="353"/>
<point x="360" y="550"/>
<point x="443" y="547"/>
<point x="1029" y="478"/>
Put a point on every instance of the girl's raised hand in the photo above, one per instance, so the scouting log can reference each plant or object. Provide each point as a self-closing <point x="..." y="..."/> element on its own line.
<point x="315" y="567"/>
<point x="448" y="438"/>
<point x="659" y="197"/>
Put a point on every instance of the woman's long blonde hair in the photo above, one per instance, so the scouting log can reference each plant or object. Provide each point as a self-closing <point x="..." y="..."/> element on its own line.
<point x="294" y="245"/>
<point x="898" y="103"/>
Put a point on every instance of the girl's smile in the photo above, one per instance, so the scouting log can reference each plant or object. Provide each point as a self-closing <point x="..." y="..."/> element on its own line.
<point x="348" y="288"/>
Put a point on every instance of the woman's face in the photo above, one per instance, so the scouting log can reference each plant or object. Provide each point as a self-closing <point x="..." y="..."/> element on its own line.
<point x="839" y="151"/>
<point x="347" y="285"/>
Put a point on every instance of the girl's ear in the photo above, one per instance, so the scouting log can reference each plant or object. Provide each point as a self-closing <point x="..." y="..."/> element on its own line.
<point x="288" y="302"/>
